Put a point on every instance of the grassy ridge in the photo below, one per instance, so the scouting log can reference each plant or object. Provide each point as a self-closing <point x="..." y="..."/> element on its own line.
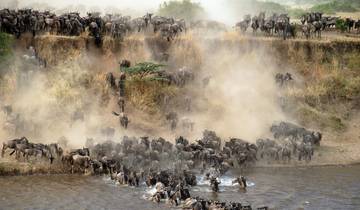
<point x="334" y="6"/>
<point x="326" y="7"/>
<point x="331" y="73"/>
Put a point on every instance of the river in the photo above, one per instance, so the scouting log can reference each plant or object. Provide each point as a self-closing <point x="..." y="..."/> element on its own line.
<point x="278" y="188"/>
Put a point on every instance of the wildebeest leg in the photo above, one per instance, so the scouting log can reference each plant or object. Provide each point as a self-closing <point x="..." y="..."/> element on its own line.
<point x="289" y="158"/>
<point x="12" y="152"/>
<point x="17" y="156"/>
<point x="3" y="150"/>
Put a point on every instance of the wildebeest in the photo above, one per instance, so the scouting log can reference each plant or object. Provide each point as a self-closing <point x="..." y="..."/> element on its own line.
<point x="286" y="129"/>
<point x="11" y="144"/>
<point x="244" y="24"/>
<point x="81" y="152"/>
<point x="282" y="79"/>
<point x="124" y="120"/>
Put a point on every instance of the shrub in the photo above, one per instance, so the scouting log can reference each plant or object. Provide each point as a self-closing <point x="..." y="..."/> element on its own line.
<point x="341" y="25"/>
<point x="185" y="9"/>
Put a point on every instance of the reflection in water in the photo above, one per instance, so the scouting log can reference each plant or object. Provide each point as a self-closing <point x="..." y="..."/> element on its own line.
<point x="280" y="188"/>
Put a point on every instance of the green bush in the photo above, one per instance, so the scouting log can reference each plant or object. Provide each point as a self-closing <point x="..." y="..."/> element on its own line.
<point x="340" y="24"/>
<point x="296" y="13"/>
<point x="185" y="9"/>
<point x="334" y="6"/>
<point x="145" y="69"/>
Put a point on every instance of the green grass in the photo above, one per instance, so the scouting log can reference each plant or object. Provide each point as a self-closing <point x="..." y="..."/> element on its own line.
<point x="6" y="41"/>
<point x="185" y="9"/>
<point x="296" y="12"/>
<point x="333" y="7"/>
<point x="270" y="7"/>
<point x="352" y="62"/>
<point x="311" y="116"/>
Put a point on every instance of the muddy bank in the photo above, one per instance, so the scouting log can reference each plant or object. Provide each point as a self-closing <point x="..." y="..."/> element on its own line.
<point x="9" y="167"/>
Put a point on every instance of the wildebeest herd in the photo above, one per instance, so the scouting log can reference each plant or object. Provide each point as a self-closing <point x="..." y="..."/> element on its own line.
<point x="36" y="22"/>
<point x="172" y="167"/>
<point x="20" y="21"/>
<point x="279" y="24"/>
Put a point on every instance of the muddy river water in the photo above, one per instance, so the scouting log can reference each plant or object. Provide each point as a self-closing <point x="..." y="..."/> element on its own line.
<point x="278" y="188"/>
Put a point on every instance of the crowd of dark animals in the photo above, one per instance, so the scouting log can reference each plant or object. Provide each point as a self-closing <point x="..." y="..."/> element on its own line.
<point x="18" y="22"/>
<point x="36" y="22"/>
<point x="172" y="167"/>
<point x="279" y="24"/>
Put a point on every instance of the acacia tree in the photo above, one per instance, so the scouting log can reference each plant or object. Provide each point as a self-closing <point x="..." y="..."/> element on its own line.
<point x="185" y="9"/>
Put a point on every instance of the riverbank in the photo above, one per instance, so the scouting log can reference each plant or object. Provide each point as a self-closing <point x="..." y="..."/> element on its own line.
<point x="329" y="154"/>
<point x="11" y="167"/>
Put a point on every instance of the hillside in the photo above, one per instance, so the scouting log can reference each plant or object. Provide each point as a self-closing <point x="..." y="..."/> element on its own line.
<point x="323" y="96"/>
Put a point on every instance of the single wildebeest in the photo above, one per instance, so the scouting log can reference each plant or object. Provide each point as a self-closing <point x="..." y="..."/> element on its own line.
<point x="172" y="117"/>
<point x="281" y="79"/>
<point x="80" y="163"/>
<point x="82" y="152"/>
<point x="110" y="80"/>
<point x="124" y="120"/>
<point x="11" y="144"/>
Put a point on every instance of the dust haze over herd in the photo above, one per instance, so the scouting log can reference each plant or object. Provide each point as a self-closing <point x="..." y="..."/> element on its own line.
<point x="241" y="99"/>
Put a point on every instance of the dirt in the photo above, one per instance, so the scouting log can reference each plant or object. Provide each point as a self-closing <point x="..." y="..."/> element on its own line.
<point x="12" y="167"/>
<point x="340" y="149"/>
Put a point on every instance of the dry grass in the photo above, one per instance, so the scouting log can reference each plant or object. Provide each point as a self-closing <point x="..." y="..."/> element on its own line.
<point x="328" y="67"/>
<point x="331" y="76"/>
<point x="354" y="15"/>
<point x="12" y="167"/>
<point x="149" y="95"/>
<point x="55" y="49"/>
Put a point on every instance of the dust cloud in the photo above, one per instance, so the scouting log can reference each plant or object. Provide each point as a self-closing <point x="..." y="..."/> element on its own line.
<point x="242" y="99"/>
